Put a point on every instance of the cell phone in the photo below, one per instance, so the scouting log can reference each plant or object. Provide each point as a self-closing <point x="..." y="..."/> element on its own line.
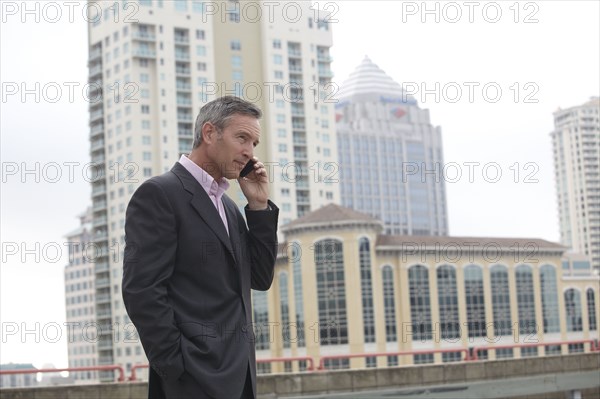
<point x="248" y="168"/>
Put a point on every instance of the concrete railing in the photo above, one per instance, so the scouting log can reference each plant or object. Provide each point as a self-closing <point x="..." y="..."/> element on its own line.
<point x="329" y="382"/>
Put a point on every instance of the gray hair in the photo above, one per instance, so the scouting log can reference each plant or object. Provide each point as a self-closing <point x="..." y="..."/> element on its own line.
<point x="219" y="111"/>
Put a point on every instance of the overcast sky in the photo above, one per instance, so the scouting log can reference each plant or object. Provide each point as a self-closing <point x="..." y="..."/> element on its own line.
<point x="551" y="61"/>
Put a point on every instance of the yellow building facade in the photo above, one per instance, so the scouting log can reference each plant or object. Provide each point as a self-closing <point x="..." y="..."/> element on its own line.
<point x="347" y="296"/>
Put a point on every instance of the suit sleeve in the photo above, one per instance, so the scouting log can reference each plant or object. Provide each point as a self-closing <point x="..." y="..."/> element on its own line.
<point x="262" y="233"/>
<point x="149" y="259"/>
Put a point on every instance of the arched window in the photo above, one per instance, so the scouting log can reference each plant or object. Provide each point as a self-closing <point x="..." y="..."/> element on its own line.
<point x="285" y="308"/>
<point x="366" y="286"/>
<point x="549" y="299"/>
<point x="298" y="295"/>
<point x="573" y="310"/>
<point x="420" y="305"/>
<point x="475" y="301"/>
<point x="331" y="293"/>
<point x="591" y="305"/>
<point x="261" y="319"/>
<point x="525" y="299"/>
<point x="448" y="302"/>
<point x="389" y="304"/>
<point x="500" y="301"/>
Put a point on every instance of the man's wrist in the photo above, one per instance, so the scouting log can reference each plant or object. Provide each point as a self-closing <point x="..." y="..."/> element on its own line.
<point x="263" y="206"/>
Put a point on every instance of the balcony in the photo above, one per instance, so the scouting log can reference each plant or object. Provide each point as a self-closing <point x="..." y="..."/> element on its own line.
<point x="104" y="345"/>
<point x="294" y="53"/>
<point x="144" y="36"/>
<point x="102" y="220"/>
<point x="98" y="159"/>
<point x="96" y="115"/>
<point x="303" y="200"/>
<point x="102" y="282"/>
<point x="298" y="126"/>
<point x="182" y="57"/>
<point x="184" y="86"/>
<point x="182" y="39"/>
<point x="296" y="68"/>
<point x="182" y="71"/>
<point x="185" y="132"/>
<point x="97" y="145"/>
<point x="97" y="129"/>
<point x="326" y="73"/>
<point x="184" y="101"/>
<point x="324" y="58"/>
<point x="101" y="267"/>
<point x="99" y="205"/>
<point x="302" y="185"/>
<point x="101" y="235"/>
<point x="95" y="70"/>
<point x="144" y="53"/>
<point x="95" y="54"/>
<point x="104" y="313"/>
<point x="184" y="117"/>
<point x="300" y="156"/>
<point x="99" y="190"/>
<point x="103" y="298"/>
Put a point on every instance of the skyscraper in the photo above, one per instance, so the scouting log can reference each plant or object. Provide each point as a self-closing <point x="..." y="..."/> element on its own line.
<point x="576" y="143"/>
<point x="151" y="68"/>
<point x="390" y="155"/>
<point x="80" y="299"/>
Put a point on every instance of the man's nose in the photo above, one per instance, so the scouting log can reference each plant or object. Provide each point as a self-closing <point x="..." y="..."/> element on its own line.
<point x="248" y="151"/>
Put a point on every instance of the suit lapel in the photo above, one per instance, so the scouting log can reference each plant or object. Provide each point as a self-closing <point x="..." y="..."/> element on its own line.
<point x="234" y="230"/>
<point x="204" y="206"/>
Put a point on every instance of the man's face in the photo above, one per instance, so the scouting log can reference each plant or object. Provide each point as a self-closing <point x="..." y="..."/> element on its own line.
<point x="232" y="147"/>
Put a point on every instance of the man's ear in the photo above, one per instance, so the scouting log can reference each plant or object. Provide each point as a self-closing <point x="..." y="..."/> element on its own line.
<point x="209" y="132"/>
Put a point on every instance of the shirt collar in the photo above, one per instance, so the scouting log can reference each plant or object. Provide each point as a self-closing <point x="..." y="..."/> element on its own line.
<point x="212" y="187"/>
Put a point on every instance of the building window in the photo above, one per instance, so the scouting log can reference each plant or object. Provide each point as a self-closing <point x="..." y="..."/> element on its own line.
<point x="180" y="5"/>
<point x="549" y="299"/>
<point x="366" y="284"/>
<point x="298" y="295"/>
<point x="235" y="45"/>
<point x="423" y="359"/>
<point x="331" y="294"/>
<point x="201" y="51"/>
<point x="276" y="43"/>
<point x="529" y="351"/>
<point x="573" y="310"/>
<point x="525" y="300"/>
<point x="285" y="308"/>
<point x="551" y="350"/>
<point x="277" y="59"/>
<point x="260" y="309"/>
<point x="504" y="353"/>
<point x="200" y="35"/>
<point x="389" y="305"/>
<point x="420" y="305"/>
<point x="448" y="302"/>
<point x="475" y="301"/>
<point x="500" y="300"/>
<point x="236" y="61"/>
<point x="591" y="305"/>
<point x="448" y="357"/>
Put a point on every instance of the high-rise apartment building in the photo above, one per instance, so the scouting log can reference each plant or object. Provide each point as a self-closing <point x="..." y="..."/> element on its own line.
<point x="390" y="155"/>
<point x="80" y="299"/>
<point x="152" y="65"/>
<point x="576" y="142"/>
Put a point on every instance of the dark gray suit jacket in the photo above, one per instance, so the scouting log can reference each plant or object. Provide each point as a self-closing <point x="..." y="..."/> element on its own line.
<point x="186" y="284"/>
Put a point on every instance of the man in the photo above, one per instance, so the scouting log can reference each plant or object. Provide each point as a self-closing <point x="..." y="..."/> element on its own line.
<point x="190" y="260"/>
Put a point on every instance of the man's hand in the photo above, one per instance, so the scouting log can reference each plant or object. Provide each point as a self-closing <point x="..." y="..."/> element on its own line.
<point x="255" y="186"/>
